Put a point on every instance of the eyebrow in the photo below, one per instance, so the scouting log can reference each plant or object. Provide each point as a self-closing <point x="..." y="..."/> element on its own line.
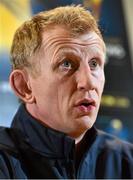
<point x="63" y="51"/>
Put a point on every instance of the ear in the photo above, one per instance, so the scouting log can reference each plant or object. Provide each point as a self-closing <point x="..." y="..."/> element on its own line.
<point x="20" y="84"/>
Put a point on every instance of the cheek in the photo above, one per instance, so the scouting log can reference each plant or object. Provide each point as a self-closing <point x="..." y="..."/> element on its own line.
<point x="65" y="92"/>
<point x="56" y="92"/>
<point x="44" y="90"/>
<point x="100" y="83"/>
<point x="102" y="78"/>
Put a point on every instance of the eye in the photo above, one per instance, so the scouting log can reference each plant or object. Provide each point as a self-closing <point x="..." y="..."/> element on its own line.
<point x="93" y="63"/>
<point x="66" y="64"/>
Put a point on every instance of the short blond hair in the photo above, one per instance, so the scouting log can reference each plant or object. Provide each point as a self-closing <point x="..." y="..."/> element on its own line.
<point x="28" y="37"/>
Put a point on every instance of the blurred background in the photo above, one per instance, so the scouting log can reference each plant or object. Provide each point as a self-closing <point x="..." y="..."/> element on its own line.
<point x="114" y="18"/>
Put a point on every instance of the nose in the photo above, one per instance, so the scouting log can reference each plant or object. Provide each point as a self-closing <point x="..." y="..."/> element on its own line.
<point x="85" y="79"/>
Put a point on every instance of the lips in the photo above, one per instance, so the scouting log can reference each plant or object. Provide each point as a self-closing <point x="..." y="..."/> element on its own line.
<point x="86" y="105"/>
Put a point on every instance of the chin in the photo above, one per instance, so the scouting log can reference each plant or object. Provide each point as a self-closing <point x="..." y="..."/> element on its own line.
<point x="86" y="122"/>
<point x="82" y="125"/>
<point x="80" y="130"/>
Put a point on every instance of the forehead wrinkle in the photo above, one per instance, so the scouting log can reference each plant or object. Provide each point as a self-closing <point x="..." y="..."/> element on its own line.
<point x="58" y="39"/>
<point x="57" y="42"/>
<point x="96" y="50"/>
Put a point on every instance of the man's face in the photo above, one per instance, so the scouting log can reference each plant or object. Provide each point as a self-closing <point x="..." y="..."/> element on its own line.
<point x="69" y="88"/>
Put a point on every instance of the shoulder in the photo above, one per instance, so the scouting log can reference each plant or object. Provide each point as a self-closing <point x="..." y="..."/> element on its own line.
<point x="6" y="141"/>
<point x="112" y="141"/>
<point x="112" y="158"/>
<point x="9" y="162"/>
<point x="112" y="144"/>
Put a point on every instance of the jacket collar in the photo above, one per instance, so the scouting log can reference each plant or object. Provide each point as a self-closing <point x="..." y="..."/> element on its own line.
<point x="45" y="140"/>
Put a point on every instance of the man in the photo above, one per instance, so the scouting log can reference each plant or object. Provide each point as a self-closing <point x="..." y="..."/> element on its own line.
<point x="58" y="73"/>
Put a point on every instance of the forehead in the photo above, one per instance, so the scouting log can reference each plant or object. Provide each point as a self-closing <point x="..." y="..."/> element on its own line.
<point x="61" y="37"/>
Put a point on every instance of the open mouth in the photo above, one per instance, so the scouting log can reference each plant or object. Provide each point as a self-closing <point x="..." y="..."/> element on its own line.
<point x="86" y="102"/>
<point x="86" y="105"/>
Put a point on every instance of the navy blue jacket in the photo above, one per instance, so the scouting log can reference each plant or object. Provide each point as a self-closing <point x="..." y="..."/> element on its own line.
<point x="30" y="150"/>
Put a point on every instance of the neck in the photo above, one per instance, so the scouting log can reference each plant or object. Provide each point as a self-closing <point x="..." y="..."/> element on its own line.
<point x="79" y="139"/>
